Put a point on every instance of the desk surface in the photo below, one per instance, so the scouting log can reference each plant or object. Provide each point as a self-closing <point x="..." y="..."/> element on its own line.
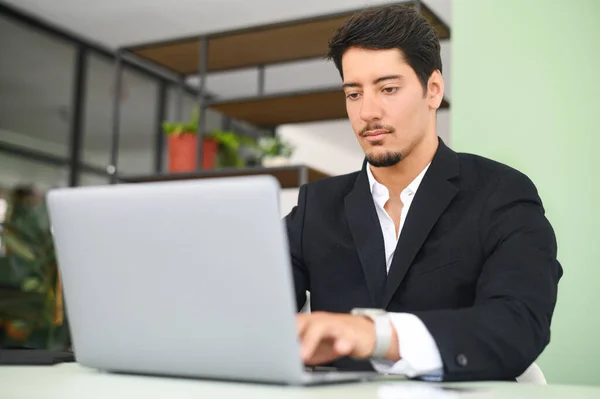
<point x="70" y="381"/>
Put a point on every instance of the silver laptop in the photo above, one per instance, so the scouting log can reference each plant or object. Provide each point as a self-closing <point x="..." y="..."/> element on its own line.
<point x="187" y="278"/>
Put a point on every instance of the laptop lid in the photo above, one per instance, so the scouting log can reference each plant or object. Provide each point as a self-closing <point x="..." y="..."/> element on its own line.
<point x="186" y="278"/>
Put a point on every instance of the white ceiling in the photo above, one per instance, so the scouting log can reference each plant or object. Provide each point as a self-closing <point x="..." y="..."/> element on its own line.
<point x="126" y="22"/>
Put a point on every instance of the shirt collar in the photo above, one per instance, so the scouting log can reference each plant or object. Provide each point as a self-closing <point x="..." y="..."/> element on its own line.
<point x="379" y="189"/>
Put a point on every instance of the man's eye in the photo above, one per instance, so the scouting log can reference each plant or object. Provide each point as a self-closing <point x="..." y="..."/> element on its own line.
<point x="390" y="90"/>
<point x="352" y="96"/>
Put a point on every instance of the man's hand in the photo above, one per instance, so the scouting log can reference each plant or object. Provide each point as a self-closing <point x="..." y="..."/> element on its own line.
<point x="329" y="336"/>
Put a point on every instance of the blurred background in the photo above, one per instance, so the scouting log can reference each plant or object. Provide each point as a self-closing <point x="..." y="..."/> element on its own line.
<point x="116" y="92"/>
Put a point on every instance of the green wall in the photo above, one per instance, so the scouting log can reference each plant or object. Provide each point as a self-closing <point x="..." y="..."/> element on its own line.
<point x="526" y="92"/>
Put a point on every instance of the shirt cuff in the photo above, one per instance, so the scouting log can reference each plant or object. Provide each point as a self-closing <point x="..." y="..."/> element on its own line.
<point x="419" y="354"/>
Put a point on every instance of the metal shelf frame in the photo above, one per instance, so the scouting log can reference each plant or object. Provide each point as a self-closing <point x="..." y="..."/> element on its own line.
<point x="84" y="47"/>
<point x="203" y="41"/>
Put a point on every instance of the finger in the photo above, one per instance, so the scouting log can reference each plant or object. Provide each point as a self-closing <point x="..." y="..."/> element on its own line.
<point x="345" y="340"/>
<point x="314" y="334"/>
<point x="332" y="347"/>
<point x="323" y="354"/>
<point x="302" y="321"/>
<point x="343" y="346"/>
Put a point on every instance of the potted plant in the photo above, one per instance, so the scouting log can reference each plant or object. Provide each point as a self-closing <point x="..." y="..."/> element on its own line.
<point x="276" y="152"/>
<point x="235" y="150"/>
<point x="183" y="144"/>
<point x="31" y="301"/>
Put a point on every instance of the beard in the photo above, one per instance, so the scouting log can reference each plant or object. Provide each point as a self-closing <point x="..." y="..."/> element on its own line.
<point x="389" y="158"/>
<point x="385" y="160"/>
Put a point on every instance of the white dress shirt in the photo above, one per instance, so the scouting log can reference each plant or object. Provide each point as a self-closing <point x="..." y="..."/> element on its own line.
<point x="419" y="354"/>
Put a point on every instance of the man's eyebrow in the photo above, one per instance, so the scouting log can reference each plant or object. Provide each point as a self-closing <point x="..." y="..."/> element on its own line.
<point x="378" y="80"/>
<point x="350" y="84"/>
<point x="388" y="77"/>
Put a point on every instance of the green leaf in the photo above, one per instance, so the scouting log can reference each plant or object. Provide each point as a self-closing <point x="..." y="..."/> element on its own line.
<point x="190" y="126"/>
<point x="31" y="284"/>
<point x="15" y="304"/>
<point x="15" y="245"/>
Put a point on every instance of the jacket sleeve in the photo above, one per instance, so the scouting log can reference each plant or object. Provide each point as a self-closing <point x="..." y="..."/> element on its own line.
<point x="295" y="226"/>
<point x="508" y="326"/>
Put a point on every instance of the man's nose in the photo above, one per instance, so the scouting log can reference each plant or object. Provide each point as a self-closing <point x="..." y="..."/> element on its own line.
<point x="370" y="108"/>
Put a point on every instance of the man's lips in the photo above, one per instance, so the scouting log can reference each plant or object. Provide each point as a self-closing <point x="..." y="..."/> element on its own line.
<point x="375" y="135"/>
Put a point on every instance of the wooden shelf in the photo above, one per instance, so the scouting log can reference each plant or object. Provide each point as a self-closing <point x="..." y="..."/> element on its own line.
<point x="289" y="41"/>
<point x="289" y="176"/>
<point x="299" y="107"/>
<point x="264" y="45"/>
<point x="274" y="110"/>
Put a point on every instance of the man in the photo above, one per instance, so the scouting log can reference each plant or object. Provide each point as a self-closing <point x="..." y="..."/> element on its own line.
<point x="445" y="261"/>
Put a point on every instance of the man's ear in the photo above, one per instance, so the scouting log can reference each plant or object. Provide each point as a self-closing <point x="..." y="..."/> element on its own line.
<point x="435" y="89"/>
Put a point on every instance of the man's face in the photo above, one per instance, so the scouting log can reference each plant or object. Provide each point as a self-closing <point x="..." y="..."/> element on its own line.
<point x="386" y="104"/>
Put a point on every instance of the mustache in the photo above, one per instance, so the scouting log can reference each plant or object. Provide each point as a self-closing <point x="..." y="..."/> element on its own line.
<point x="376" y="126"/>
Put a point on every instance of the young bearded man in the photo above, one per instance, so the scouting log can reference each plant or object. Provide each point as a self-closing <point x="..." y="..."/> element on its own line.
<point x="427" y="262"/>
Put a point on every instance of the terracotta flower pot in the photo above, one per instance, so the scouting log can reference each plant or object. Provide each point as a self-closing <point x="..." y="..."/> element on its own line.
<point x="183" y="149"/>
<point x="16" y="332"/>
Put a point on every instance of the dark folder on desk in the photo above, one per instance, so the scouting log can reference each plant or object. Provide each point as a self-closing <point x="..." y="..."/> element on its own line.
<point x="34" y="357"/>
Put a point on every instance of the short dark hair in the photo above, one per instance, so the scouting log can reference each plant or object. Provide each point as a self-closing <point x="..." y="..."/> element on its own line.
<point x="389" y="27"/>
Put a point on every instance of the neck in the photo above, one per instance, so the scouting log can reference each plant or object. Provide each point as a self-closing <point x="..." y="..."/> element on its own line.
<point x="396" y="178"/>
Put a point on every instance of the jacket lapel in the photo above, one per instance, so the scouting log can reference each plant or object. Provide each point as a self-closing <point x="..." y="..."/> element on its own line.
<point x="368" y="237"/>
<point x="433" y="196"/>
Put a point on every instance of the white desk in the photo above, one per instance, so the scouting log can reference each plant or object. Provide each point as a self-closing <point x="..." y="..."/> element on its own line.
<point x="70" y="381"/>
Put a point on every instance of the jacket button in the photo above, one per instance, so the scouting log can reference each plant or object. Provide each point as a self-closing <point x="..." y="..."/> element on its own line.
<point x="462" y="360"/>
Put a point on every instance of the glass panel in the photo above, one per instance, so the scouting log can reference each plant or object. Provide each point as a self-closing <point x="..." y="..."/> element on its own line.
<point x="36" y="82"/>
<point x="16" y="171"/>
<point x="138" y="114"/>
<point x="90" y="179"/>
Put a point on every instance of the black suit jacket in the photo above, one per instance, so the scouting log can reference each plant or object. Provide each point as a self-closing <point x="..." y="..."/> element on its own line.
<point x="476" y="261"/>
